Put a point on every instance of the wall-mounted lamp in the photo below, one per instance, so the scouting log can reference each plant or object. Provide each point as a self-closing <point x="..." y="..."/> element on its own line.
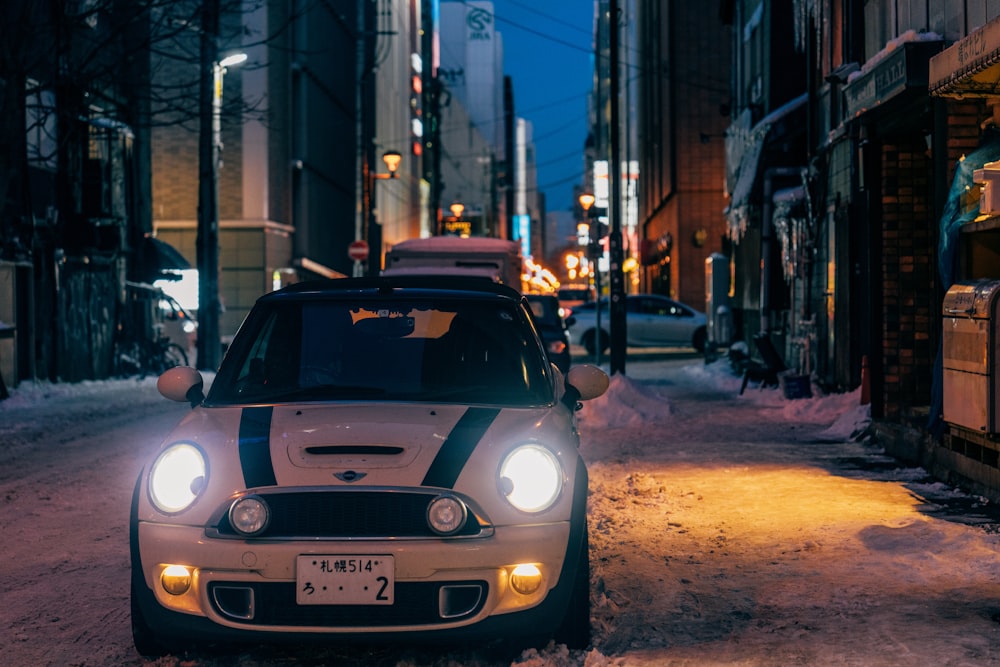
<point x="374" y="230"/>
<point x="392" y="160"/>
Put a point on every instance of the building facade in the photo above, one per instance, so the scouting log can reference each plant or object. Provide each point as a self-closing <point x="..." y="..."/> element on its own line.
<point x="854" y="205"/>
<point x="301" y="176"/>
<point x="683" y="88"/>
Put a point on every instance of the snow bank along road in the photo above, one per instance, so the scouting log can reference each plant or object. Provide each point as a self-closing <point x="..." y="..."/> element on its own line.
<point x="725" y="529"/>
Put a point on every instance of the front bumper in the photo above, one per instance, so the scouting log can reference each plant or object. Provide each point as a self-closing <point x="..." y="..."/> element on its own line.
<point x="457" y="588"/>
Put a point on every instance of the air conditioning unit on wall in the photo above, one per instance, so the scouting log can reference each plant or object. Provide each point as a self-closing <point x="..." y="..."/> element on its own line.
<point x="989" y="178"/>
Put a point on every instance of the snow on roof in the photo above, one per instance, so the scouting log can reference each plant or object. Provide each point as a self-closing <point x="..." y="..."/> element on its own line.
<point x="457" y="243"/>
<point x="488" y="272"/>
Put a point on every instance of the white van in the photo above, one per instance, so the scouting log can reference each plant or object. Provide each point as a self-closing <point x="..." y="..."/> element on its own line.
<point x="497" y="259"/>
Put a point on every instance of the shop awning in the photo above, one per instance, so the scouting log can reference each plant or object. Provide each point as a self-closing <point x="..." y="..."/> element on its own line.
<point x="314" y="267"/>
<point x="970" y="67"/>
<point x="744" y="147"/>
<point x="156" y="257"/>
<point x="895" y="70"/>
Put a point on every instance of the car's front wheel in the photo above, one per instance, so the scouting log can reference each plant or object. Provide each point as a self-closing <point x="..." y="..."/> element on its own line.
<point x="592" y="338"/>
<point x="147" y="643"/>
<point x="700" y="339"/>
<point x="574" y="631"/>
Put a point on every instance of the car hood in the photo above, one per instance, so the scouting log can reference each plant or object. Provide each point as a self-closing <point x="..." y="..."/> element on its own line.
<point x="391" y="444"/>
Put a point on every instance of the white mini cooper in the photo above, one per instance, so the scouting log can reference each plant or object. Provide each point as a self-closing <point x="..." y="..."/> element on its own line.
<point x="376" y="459"/>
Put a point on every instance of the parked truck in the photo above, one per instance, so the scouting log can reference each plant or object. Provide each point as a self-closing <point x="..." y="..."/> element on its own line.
<point x="497" y="259"/>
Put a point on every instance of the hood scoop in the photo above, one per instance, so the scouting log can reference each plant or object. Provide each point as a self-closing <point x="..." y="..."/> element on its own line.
<point x="352" y="456"/>
<point x="353" y="450"/>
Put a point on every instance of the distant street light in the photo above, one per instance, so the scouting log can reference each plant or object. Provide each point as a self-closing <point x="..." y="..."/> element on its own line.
<point x="392" y="160"/>
<point x="229" y="61"/>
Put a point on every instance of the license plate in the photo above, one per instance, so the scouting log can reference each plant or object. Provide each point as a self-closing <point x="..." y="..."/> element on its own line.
<point x="344" y="579"/>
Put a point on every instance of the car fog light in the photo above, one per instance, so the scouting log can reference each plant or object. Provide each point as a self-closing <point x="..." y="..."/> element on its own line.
<point x="446" y="515"/>
<point x="526" y="578"/>
<point x="249" y="515"/>
<point x="176" y="579"/>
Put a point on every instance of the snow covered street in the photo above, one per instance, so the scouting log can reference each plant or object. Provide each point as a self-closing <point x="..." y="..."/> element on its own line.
<point x="724" y="529"/>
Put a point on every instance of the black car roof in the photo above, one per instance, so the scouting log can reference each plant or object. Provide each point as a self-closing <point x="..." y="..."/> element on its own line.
<point x="389" y="284"/>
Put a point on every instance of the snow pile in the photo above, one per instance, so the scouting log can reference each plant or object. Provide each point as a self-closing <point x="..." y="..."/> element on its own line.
<point x="637" y="400"/>
<point x="625" y="403"/>
<point x="31" y="394"/>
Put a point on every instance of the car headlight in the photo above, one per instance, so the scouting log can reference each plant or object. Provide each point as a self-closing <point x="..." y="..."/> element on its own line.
<point x="177" y="477"/>
<point x="531" y="478"/>
<point x="249" y="515"/>
<point x="446" y="515"/>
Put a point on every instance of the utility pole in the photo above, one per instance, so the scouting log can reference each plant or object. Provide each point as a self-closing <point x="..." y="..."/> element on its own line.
<point x="207" y="242"/>
<point x="616" y="281"/>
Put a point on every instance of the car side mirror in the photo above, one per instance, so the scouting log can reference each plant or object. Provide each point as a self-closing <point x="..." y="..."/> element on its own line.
<point x="584" y="382"/>
<point x="182" y="384"/>
<point x="589" y="380"/>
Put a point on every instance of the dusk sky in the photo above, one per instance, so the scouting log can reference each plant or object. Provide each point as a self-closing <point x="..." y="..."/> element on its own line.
<point x="548" y="53"/>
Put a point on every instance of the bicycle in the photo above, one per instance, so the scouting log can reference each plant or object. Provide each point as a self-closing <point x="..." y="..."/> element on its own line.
<point x="144" y="357"/>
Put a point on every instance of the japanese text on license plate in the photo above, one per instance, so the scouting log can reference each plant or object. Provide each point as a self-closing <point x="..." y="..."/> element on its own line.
<point x="344" y="579"/>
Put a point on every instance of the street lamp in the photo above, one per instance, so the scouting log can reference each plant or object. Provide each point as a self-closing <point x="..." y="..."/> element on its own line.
<point x="218" y="72"/>
<point x="391" y="160"/>
<point x="210" y="158"/>
<point x="455" y="225"/>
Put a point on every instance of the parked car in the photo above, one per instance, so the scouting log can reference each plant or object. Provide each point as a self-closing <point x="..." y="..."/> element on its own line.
<point x="552" y="327"/>
<point x="572" y="296"/>
<point x="377" y="459"/>
<point x="651" y="320"/>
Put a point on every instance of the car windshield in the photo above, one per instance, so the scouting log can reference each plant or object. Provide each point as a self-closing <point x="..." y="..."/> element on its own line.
<point x="354" y="349"/>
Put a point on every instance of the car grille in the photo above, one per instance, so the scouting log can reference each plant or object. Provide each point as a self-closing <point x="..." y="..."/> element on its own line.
<point x="417" y="603"/>
<point x="349" y="514"/>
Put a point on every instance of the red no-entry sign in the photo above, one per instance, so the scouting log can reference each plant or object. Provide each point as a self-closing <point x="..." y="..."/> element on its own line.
<point x="358" y="250"/>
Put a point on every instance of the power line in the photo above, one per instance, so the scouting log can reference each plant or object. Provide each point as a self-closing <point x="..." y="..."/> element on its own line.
<point x="555" y="19"/>
<point x="550" y="38"/>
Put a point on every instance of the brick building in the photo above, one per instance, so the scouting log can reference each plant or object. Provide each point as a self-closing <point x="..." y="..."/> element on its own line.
<point x="683" y="89"/>
<point x="845" y="264"/>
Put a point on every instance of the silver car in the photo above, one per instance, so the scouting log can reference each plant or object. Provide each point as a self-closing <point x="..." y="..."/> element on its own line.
<point x="651" y="321"/>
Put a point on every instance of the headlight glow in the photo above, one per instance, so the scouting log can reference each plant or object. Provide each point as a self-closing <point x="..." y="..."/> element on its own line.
<point x="526" y="578"/>
<point x="531" y="478"/>
<point x="176" y="579"/>
<point x="177" y="477"/>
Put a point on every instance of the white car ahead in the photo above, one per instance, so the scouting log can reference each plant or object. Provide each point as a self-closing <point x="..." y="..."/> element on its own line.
<point x="376" y="459"/>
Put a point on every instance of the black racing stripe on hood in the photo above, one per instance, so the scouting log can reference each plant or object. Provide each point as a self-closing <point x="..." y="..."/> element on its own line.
<point x="455" y="451"/>
<point x="255" y="447"/>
